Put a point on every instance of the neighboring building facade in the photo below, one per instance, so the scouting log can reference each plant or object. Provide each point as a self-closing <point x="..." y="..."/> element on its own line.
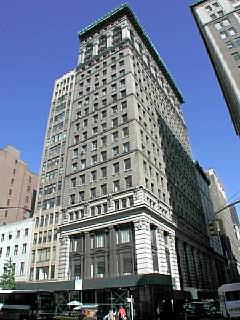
<point x="117" y="180"/>
<point x="204" y="184"/>
<point x="229" y="240"/>
<point x="219" y="24"/>
<point x="15" y="241"/>
<point x="51" y="184"/>
<point x="18" y="187"/>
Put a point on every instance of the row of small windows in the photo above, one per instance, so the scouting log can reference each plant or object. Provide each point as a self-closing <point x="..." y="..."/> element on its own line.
<point x="15" y="251"/>
<point x="86" y="111"/>
<point x="98" y="66"/>
<point x="46" y="220"/>
<point x="103" y="190"/>
<point x="45" y="236"/>
<point x="9" y="236"/>
<point x="98" y="129"/>
<point x="97" y="77"/>
<point x="103" y="173"/>
<point x="100" y="240"/>
<point x="214" y="10"/>
<point x="116" y="151"/>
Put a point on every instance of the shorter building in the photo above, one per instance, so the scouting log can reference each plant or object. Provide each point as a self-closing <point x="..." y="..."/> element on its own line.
<point x="15" y="239"/>
<point x="204" y="188"/>
<point x="17" y="187"/>
<point x="225" y="226"/>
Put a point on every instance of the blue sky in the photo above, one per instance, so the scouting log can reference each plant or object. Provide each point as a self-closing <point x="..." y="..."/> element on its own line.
<point x="38" y="43"/>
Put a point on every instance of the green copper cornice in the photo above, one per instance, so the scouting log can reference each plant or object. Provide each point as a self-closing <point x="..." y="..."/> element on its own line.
<point x="197" y="3"/>
<point x="118" y="12"/>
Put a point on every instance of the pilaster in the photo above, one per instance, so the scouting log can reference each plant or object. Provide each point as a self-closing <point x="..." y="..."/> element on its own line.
<point x="63" y="267"/>
<point x="143" y="247"/>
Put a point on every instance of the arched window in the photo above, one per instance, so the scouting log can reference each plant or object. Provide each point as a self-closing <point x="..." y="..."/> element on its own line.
<point x="117" y="35"/>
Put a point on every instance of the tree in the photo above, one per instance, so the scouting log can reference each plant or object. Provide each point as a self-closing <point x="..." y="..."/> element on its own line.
<point x="7" y="279"/>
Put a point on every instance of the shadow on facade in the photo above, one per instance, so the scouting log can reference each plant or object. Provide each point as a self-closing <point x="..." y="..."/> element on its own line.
<point x="199" y="267"/>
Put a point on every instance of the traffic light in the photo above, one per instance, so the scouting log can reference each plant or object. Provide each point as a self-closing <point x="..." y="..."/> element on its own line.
<point x="213" y="228"/>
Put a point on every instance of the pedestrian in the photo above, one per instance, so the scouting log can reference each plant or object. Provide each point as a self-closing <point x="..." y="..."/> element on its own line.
<point x="122" y="313"/>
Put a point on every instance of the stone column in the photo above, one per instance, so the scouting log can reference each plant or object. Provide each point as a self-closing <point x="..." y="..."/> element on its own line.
<point x="63" y="267"/>
<point x="87" y="261"/>
<point x="198" y="268"/>
<point x="209" y="271"/>
<point x="173" y="260"/>
<point x="183" y="263"/>
<point x="191" y="265"/>
<point x="162" y="261"/>
<point x="143" y="247"/>
<point x="204" y="270"/>
<point x="113" y="261"/>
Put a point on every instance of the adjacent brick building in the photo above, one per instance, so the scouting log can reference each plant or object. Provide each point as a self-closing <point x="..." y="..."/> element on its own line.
<point x="18" y="186"/>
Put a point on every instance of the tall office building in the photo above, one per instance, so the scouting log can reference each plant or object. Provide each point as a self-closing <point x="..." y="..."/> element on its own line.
<point x="18" y="187"/>
<point x="219" y="25"/>
<point x="119" y="207"/>
<point x="52" y="179"/>
<point x="228" y="233"/>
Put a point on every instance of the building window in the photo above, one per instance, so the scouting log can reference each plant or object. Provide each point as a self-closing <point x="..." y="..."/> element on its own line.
<point x="24" y="248"/>
<point x="104" y="172"/>
<point x="125" y="236"/>
<point x="115" y="136"/>
<point x="8" y="252"/>
<point x="93" y="193"/>
<point x="116" y="168"/>
<point x="229" y="44"/>
<point x="226" y="22"/>
<point x="115" y="122"/>
<point x="104" y="156"/>
<point x="82" y="180"/>
<point x="94" y="159"/>
<point x="100" y="267"/>
<point x="72" y="199"/>
<point x="128" y="181"/>
<point x="237" y="41"/>
<point x="115" y="151"/>
<point x="218" y="26"/>
<point x="104" y="189"/>
<point x="127" y="264"/>
<point x="126" y="147"/>
<point x="127" y="164"/>
<point x="125" y="132"/>
<point x="22" y="266"/>
<point x="16" y="250"/>
<point x="93" y="176"/>
<point x="116" y="185"/>
<point x="104" y="141"/>
<point x="81" y="196"/>
<point x="73" y="182"/>
<point x="236" y="56"/>
<point x="232" y="31"/>
<point x="223" y="35"/>
<point x="99" y="240"/>
<point x="124" y="118"/>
